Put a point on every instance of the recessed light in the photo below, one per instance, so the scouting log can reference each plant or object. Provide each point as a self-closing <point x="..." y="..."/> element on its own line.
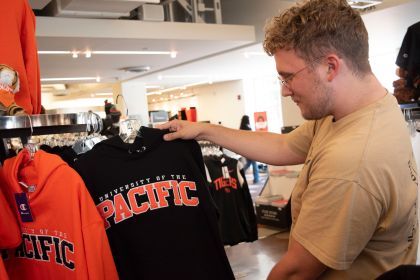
<point x="70" y="79"/>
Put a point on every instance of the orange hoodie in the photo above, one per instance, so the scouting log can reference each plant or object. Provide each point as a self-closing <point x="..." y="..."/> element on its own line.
<point x="9" y="230"/>
<point x="66" y="238"/>
<point x="18" y="50"/>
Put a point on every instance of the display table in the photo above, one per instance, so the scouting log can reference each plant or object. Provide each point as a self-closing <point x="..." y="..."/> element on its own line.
<point x="254" y="261"/>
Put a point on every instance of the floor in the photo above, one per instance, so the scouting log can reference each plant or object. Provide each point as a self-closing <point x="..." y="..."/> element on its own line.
<point x="253" y="261"/>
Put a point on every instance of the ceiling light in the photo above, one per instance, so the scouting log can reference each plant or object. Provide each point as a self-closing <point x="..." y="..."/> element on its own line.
<point x="75" y="53"/>
<point x="133" y="52"/>
<point x="98" y="79"/>
<point x="363" y="4"/>
<point x="54" y="52"/>
<point x="104" y="94"/>
<point x="88" y="54"/>
<point x="70" y="79"/>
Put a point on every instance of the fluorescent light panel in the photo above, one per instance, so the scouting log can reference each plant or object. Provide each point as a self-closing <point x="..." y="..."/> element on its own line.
<point x="54" y="52"/>
<point x="88" y="53"/>
<point x="70" y="79"/>
<point x="363" y="4"/>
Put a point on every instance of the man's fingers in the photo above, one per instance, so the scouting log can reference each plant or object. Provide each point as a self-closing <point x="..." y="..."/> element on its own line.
<point x="171" y="136"/>
<point x="166" y="125"/>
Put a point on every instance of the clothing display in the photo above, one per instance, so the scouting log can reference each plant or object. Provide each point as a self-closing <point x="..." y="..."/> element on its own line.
<point x="18" y="50"/>
<point x="161" y="221"/>
<point x="229" y="189"/>
<point x="63" y="234"/>
<point x="9" y="231"/>
<point x="409" y="55"/>
<point x="354" y="203"/>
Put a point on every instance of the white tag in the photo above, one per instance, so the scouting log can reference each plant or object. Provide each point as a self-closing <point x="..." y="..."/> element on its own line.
<point x="225" y="172"/>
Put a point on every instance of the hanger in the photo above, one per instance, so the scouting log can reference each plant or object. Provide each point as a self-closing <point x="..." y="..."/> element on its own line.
<point x="130" y="127"/>
<point x="31" y="146"/>
<point x="93" y="125"/>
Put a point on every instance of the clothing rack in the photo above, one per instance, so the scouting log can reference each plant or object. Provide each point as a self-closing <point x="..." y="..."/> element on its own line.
<point x="24" y="127"/>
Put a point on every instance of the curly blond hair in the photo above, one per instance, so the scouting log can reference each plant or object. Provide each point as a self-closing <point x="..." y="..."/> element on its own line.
<point x="315" y="28"/>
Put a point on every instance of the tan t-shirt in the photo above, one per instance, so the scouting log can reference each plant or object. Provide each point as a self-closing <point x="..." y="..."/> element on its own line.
<point x="354" y="204"/>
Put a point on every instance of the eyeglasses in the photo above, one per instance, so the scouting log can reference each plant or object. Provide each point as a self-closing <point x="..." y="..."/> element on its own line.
<point x="286" y="81"/>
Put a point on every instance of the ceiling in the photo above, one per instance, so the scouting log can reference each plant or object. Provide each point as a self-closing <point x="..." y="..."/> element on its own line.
<point x="205" y="52"/>
<point x="190" y="41"/>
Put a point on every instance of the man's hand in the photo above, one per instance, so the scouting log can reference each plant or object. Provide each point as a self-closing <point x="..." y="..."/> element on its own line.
<point x="183" y="130"/>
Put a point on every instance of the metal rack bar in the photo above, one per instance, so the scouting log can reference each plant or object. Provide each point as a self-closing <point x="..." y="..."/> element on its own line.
<point x="21" y="127"/>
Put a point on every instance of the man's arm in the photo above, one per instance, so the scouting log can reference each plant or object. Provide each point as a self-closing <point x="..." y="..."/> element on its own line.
<point x="264" y="147"/>
<point x="297" y="264"/>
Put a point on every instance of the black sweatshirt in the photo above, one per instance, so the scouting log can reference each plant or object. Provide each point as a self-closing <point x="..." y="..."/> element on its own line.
<point x="161" y="221"/>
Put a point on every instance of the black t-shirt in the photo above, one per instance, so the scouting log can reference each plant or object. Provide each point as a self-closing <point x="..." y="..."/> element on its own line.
<point x="237" y="220"/>
<point x="409" y="55"/>
<point x="161" y="221"/>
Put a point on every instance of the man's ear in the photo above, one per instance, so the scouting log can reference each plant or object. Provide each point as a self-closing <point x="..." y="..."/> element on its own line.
<point x="333" y="66"/>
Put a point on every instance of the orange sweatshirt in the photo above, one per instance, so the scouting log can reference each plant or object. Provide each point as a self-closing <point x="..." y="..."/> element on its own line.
<point x="9" y="230"/>
<point x="18" y="50"/>
<point x="63" y="235"/>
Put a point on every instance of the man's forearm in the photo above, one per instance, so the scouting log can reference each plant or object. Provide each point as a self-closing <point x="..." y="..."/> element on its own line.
<point x="264" y="147"/>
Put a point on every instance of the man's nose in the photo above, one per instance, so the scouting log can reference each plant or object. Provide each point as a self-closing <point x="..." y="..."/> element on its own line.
<point x="285" y="91"/>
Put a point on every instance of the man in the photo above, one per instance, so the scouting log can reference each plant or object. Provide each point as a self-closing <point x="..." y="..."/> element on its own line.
<point x="354" y="204"/>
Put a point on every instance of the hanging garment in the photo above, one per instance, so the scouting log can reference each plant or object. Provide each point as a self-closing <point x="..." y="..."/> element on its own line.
<point x="160" y="218"/>
<point x="63" y="234"/>
<point x="237" y="221"/>
<point x="9" y="230"/>
<point x="18" y="50"/>
<point x="409" y="55"/>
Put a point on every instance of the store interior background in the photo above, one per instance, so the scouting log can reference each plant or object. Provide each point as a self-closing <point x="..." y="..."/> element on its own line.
<point x="220" y="69"/>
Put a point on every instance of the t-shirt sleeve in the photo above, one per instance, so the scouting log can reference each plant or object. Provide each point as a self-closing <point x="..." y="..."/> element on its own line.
<point x="336" y="221"/>
<point x="300" y="139"/>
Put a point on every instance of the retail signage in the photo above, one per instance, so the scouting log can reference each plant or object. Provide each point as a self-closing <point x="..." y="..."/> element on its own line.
<point x="260" y="121"/>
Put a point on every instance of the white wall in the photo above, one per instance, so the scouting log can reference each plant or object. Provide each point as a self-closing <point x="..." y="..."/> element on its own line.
<point x="262" y="94"/>
<point x="135" y="100"/>
<point x="215" y="103"/>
